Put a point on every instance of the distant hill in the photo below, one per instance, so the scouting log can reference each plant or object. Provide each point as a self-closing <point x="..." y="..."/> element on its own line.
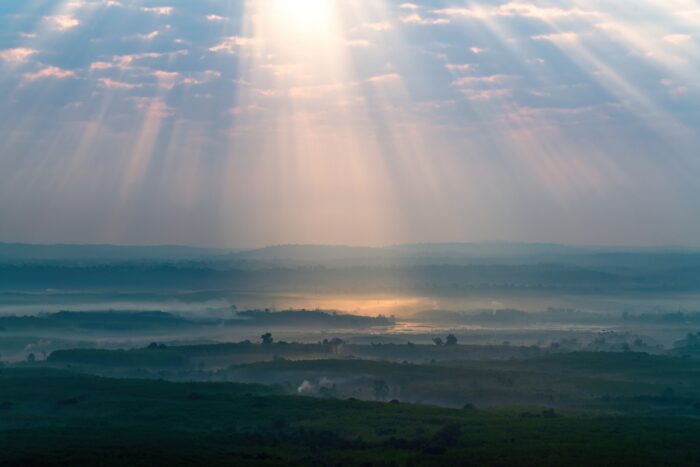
<point x="455" y="254"/>
<point x="338" y="256"/>
<point x="449" y="252"/>
<point x="24" y="252"/>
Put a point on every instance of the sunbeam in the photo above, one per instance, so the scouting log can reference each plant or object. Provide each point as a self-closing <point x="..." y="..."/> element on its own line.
<point x="348" y="121"/>
<point x="227" y="226"/>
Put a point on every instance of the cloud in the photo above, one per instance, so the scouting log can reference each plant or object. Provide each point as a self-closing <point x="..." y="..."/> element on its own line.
<point x="102" y="66"/>
<point x="463" y="13"/>
<point x="482" y="88"/>
<point x="545" y="13"/>
<point x="486" y="94"/>
<point x="161" y="10"/>
<point x="266" y="92"/>
<point x="75" y="4"/>
<point x="49" y="72"/>
<point x="122" y="61"/>
<point x="469" y="80"/>
<point x="166" y="79"/>
<point x="170" y="79"/>
<point x="125" y="61"/>
<point x="18" y="54"/>
<point x="379" y="79"/>
<point x="515" y="9"/>
<point x="62" y="22"/>
<point x="109" y="83"/>
<point x="148" y="36"/>
<point x="154" y="107"/>
<point x="415" y="18"/>
<point x="230" y="44"/>
<point x="673" y="87"/>
<point x="201" y="78"/>
<point x="435" y="105"/>
<point x="458" y="67"/>
<point x="378" y="26"/>
<point x="455" y="82"/>
<point x="283" y="69"/>
<point x="677" y="39"/>
<point x="216" y="18"/>
<point x="526" y="115"/>
<point x="558" y="37"/>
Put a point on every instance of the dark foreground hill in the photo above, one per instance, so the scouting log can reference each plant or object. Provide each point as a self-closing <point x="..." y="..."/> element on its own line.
<point x="52" y="418"/>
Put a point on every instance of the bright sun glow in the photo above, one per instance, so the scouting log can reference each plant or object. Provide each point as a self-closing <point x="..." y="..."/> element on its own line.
<point x="304" y="14"/>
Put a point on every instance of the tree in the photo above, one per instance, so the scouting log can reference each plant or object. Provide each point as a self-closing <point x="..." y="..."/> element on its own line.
<point x="336" y="344"/>
<point x="437" y="341"/>
<point x="451" y="340"/>
<point x="690" y="341"/>
<point x="267" y="338"/>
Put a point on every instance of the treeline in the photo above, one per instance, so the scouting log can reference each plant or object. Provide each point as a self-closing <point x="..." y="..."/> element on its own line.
<point x="142" y="320"/>
<point x="438" y="278"/>
<point x="555" y="315"/>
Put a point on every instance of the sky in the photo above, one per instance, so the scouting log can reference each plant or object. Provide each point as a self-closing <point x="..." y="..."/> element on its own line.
<point x="362" y="122"/>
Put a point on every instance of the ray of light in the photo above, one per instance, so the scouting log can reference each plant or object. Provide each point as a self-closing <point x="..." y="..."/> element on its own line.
<point x="304" y="111"/>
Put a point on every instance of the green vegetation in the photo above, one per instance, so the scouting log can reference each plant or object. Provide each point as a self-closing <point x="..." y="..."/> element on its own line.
<point x="52" y="417"/>
<point x="614" y="383"/>
<point x="608" y="374"/>
<point x="605" y="382"/>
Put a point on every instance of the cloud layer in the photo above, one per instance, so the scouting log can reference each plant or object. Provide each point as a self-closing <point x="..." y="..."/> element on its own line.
<point x="275" y="121"/>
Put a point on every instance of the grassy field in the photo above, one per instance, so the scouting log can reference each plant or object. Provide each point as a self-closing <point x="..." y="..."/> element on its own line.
<point x="610" y="382"/>
<point x="55" y="417"/>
